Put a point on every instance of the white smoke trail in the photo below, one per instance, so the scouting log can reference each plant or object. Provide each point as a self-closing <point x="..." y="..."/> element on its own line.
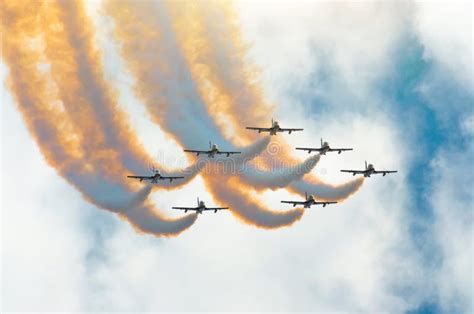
<point x="325" y="191"/>
<point x="278" y="177"/>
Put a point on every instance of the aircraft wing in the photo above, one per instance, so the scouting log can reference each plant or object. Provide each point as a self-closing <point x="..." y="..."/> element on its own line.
<point x="294" y="203"/>
<point x="170" y="178"/>
<point x="354" y="171"/>
<point x="289" y="130"/>
<point x="197" y="152"/>
<point x="259" y="129"/>
<point x="384" y="172"/>
<point x="309" y="149"/>
<point x="339" y="149"/>
<point x="324" y="203"/>
<point x="140" y="177"/>
<point x="227" y="153"/>
<point x="215" y="208"/>
<point x="185" y="208"/>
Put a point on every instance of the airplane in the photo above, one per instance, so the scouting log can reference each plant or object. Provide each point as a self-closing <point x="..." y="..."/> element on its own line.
<point x="200" y="208"/>
<point x="369" y="170"/>
<point x="213" y="150"/>
<point x="154" y="177"/>
<point x="274" y="129"/>
<point x="324" y="149"/>
<point x="310" y="200"/>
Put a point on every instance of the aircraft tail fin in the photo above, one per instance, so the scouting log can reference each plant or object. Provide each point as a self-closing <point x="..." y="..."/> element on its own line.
<point x="366" y="165"/>
<point x="306" y="195"/>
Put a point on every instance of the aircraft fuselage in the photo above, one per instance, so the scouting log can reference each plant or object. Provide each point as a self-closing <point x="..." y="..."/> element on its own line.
<point x="310" y="201"/>
<point x="156" y="177"/>
<point x="213" y="152"/>
<point x="370" y="170"/>
<point x="324" y="150"/>
<point x="275" y="128"/>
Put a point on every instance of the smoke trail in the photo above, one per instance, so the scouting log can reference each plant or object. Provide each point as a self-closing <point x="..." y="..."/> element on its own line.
<point x="87" y="98"/>
<point x="243" y="205"/>
<point x="278" y="177"/>
<point x="167" y="87"/>
<point x="325" y="191"/>
<point x="35" y="95"/>
<point x="200" y="53"/>
<point x="222" y="65"/>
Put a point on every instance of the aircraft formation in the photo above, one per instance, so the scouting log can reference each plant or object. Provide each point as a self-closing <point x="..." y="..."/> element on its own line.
<point x="274" y="129"/>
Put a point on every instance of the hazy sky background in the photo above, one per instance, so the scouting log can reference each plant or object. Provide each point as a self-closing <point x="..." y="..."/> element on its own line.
<point x="394" y="80"/>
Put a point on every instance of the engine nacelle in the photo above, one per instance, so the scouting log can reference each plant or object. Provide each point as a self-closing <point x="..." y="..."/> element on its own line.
<point x="215" y="211"/>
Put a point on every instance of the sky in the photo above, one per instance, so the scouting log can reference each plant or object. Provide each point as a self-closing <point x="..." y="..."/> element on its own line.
<point x="393" y="80"/>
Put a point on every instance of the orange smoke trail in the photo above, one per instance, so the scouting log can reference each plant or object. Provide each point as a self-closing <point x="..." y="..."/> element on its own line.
<point x="230" y="191"/>
<point x="233" y="96"/>
<point x="37" y="100"/>
<point x="89" y="101"/>
<point x="230" y="84"/>
<point x="211" y="43"/>
<point x="154" y="58"/>
<point x="31" y="87"/>
<point x="202" y="44"/>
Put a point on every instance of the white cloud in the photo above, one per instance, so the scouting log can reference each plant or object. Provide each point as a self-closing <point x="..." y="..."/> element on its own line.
<point x="349" y="42"/>
<point x="43" y="244"/>
<point x="356" y="256"/>
<point x="452" y="200"/>
<point x="339" y="258"/>
<point x="445" y="30"/>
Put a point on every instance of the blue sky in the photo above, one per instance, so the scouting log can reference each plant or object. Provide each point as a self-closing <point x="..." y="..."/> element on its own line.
<point x="394" y="80"/>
